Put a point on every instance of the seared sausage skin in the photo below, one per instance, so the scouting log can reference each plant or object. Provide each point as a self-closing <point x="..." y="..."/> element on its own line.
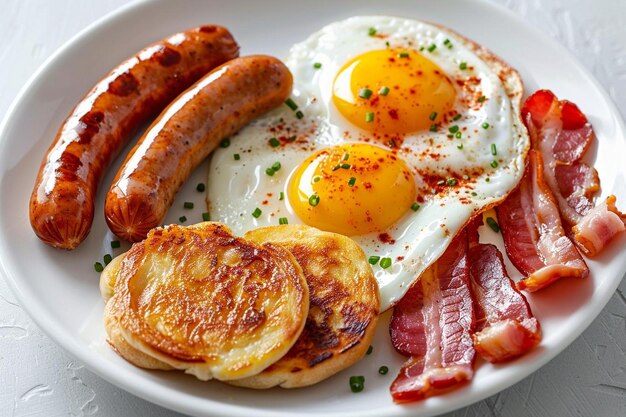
<point x="185" y="133"/>
<point x="62" y="202"/>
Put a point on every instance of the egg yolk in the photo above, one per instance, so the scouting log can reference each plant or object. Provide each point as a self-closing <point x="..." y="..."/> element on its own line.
<point x="352" y="189"/>
<point x="392" y="91"/>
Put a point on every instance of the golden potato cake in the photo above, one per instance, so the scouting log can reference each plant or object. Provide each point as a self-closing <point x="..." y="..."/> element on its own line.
<point x="201" y="300"/>
<point x="343" y="312"/>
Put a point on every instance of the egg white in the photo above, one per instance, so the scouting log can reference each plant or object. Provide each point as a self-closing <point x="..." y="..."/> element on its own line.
<point x="237" y="187"/>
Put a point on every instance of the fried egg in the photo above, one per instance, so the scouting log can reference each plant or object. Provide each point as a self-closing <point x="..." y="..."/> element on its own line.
<point x="397" y="133"/>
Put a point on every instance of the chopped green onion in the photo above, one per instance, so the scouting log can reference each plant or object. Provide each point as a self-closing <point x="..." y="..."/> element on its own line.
<point x="291" y="104"/>
<point x="453" y="129"/>
<point x="225" y="143"/>
<point x="457" y="117"/>
<point x="460" y="146"/>
<point x="451" y="182"/>
<point x="433" y="115"/>
<point x="345" y="166"/>
<point x="370" y="349"/>
<point x="336" y="167"/>
<point x="371" y="32"/>
<point x="421" y="48"/>
<point x="257" y="213"/>
<point x="369" y="117"/>
<point x="403" y="55"/>
<point x="383" y="91"/>
<point x="463" y="65"/>
<point x="283" y="220"/>
<point x="115" y="244"/>
<point x="493" y="149"/>
<point x="373" y="260"/>
<point x="276" y="166"/>
<point x="383" y="370"/>
<point x="107" y="258"/>
<point x="299" y="114"/>
<point x="494" y="164"/>
<point x="492" y="224"/>
<point x="433" y="127"/>
<point x="236" y="157"/>
<point x="274" y="142"/>
<point x="385" y="263"/>
<point x="448" y="43"/>
<point x="200" y="187"/>
<point x="365" y="93"/>
<point x="485" y="125"/>
<point x="188" y="205"/>
<point x="282" y="196"/>
<point x="182" y="219"/>
<point x="98" y="267"/>
<point x="357" y="383"/>
<point x="317" y="65"/>
<point x="415" y="206"/>
<point x="458" y="135"/>
<point x="345" y="156"/>
<point x="352" y="181"/>
<point x="474" y="193"/>
<point x="270" y="171"/>
<point x="205" y="216"/>
<point x="314" y="200"/>
<point x="432" y="48"/>
<point x="317" y="178"/>
<point x="481" y="99"/>
<point x="441" y="182"/>
<point x="487" y="179"/>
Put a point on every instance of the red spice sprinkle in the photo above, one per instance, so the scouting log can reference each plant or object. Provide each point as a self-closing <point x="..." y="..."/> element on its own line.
<point x="386" y="238"/>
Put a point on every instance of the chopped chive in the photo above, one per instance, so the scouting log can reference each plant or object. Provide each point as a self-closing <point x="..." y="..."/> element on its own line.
<point x="369" y="117"/>
<point x="448" y="43"/>
<point x="385" y="263"/>
<point x="274" y="142"/>
<point x="493" y="149"/>
<point x="317" y="65"/>
<point x="314" y="200"/>
<point x="403" y="55"/>
<point x="345" y="156"/>
<point x="345" y="166"/>
<point x="433" y="115"/>
<point x="270" y="172"/>
<point x="485" y="125"/>
<point x="188" y="205"/>
<point x="299" y="114"/>
<point x="291" y="104"/>
<point x="383" y="370"/>
<point x="276" y="166"/>
<point x="474" y="193"/>
<point x="494" y="164"/>
<point x="182" y="219"/>
<point x="481" y="99"/>
<point x="373" y="260"/>
<point x="225" y="143"/>
<point x="365" y="93"/>
<point x="433" y="127"/>
<point x="441" y="182"/>
<point x="460" y="146"/>
<point x="282" y="196"/>
<point x="387" y="44"/>
<point x="236" y="157"/>
<point x="457" y="117"/>
<point x="421" y="48"/>
<point x="257" y="213"/>
<point x="451" y="182"/>
<point x="487" y="179"/>
<point x="370" y="349"/>
<point x="336" y="167"/>
<point x="115" y="244"/>
<point x="371" y="31"/>
<point x="463" y="65"/>
<point x="432" y="48"/>
<point x="316" y="178"/>
<point x="200" y="187"/>
<point x="458" y="135"/>
<point x="107" y="258"/>
<point x="453" y="129"/>
<point x="283" y="220"/>
<point x="206" y="216"/>
<point x="98" y="267"/>
<point x="415" y="206"/>
<point x="357" y="383"/>
<point x="383" y="91"/>
<point x="352" y="181"/>
<point x="492" y="224"/>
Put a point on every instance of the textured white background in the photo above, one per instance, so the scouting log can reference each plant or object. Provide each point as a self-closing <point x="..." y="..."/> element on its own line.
<point x="37" y="378"/>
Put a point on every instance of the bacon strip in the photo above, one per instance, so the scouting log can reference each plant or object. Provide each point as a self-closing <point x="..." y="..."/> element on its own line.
<point x="505" y="325"/>
<point x="599" y="226"/>
<point x="533" y="236"/>
<point x="432" y="324"/>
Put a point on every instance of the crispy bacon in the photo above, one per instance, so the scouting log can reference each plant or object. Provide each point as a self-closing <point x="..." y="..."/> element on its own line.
<point x="561" y="132"/>
<point x="533" y="236"/>
<point x="505" y="325"/>
<point x="599" y="226"/>
<point x="432" y="324"/>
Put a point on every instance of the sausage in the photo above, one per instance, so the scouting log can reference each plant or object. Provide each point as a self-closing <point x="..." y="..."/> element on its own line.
<point x="62" y="202"/>
<point x="186" y="133"/>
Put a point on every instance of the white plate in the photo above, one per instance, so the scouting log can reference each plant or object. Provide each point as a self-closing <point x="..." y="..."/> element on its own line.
<point x="59" y="289"/>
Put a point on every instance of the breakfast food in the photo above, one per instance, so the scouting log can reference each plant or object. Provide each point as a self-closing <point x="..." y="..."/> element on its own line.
<point x="343" y="309"/>
<point x="204" y="301"/>
<point x="185" y="133"/>
<point x="62" y="201"/>
<point x="397" y="133"/>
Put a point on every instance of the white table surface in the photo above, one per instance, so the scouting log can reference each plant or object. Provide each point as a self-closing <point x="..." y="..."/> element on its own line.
<point x="37" y="378"/>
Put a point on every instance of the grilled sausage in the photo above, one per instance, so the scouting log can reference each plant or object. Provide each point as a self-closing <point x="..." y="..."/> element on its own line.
<point x="186" y="133"/>
<point x="62" y="202"/>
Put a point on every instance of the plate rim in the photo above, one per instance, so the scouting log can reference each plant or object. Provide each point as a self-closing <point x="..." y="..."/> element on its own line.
<point x="56" y="332"/>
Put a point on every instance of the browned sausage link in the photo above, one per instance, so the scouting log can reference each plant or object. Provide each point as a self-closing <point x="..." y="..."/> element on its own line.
<point x="62" y="202"/>
<point x="186" y="133"/>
